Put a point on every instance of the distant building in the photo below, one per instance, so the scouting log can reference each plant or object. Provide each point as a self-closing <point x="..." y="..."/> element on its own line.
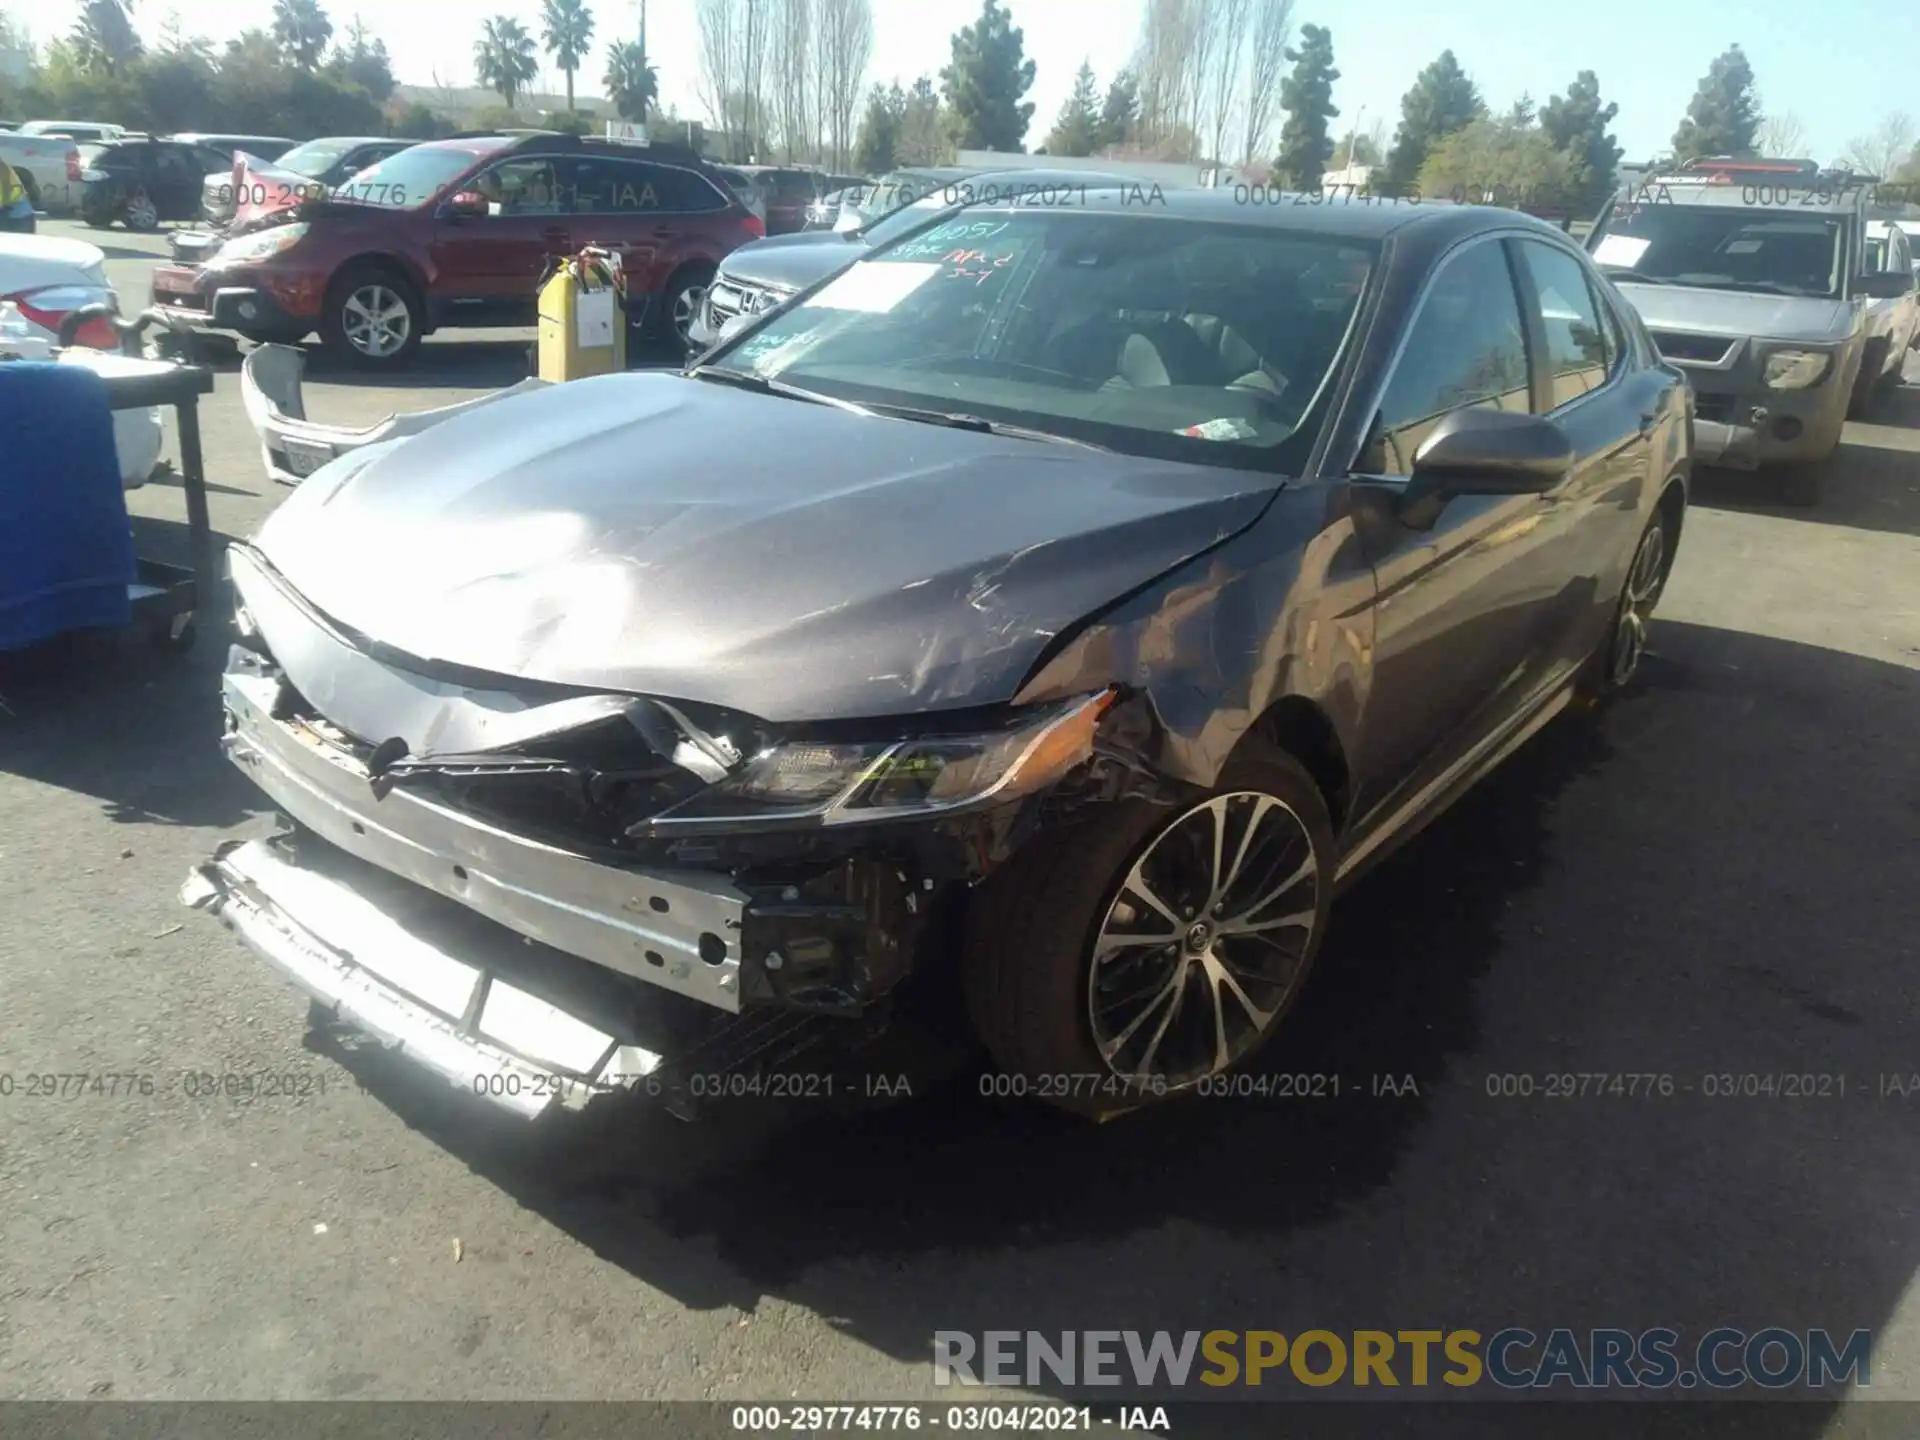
<point x="1355" y="178"/>
<point x="462" y="104"/>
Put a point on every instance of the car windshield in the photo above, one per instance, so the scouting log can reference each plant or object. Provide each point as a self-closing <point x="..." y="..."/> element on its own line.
<point x="1723" y="247"/>
<point x="313" y="158"/>
<point x="413" y="177"/>
<point x="1208" y="342"/>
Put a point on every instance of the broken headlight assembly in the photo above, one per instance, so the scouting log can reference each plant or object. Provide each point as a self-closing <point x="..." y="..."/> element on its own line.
<point x="827" y="782"/>
<point x="1797" y="369"/>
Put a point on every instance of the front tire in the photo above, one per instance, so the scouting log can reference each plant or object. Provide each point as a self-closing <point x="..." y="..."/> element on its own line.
<point x="1147" y="950"/>
<point x="680" y="305"/>
<point x="373" y="319"/>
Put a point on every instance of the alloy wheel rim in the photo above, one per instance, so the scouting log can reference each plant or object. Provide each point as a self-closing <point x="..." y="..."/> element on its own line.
<point x="140" y="212"/>
<point x="376" y="321"/>
<point x="1636" y="605"/>
<point x="1205" y="941"/>
<point x="686" y="305"/>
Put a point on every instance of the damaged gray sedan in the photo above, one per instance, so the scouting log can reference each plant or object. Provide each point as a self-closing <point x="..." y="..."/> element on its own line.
<point x="1074" y="595"/>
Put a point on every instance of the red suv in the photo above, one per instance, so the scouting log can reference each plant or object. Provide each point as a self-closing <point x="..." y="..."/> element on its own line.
<point x="459" y="233"/>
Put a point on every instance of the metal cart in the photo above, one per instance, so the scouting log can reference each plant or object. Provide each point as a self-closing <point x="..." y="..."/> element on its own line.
<point x="165" y="598"/>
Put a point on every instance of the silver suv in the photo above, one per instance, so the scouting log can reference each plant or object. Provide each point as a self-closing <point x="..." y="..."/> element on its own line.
<point x="1753" y="277"/>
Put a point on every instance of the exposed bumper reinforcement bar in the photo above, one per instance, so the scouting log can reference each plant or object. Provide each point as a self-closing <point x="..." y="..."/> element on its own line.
<point x="401" y="984"/>
<point x="1732" y="447"/>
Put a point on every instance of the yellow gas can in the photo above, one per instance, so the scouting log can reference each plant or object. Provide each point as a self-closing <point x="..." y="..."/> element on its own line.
<point x="583" y="318"/>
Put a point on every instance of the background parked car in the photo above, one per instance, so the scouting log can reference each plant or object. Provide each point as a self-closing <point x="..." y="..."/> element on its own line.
<point x="759" y="276"/>
<point x="461" y="232"/>
<point x="144" y="182"/>
<point x="262" y="190"/>
<point x="83" y="131"/>
<point x="823" y="212"/>
<point x="791" y="190"/>
<point x="267" y="147"/>
<point x="751" y="190"/>
<point x="43" y="279"/>
<point x="48" y="166"/>
<point x="1889" y="249"/>
<point x="864" y="204"/>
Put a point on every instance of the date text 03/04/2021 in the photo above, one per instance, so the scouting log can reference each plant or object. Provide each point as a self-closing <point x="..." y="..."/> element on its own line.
<point x="993" y="1419"/>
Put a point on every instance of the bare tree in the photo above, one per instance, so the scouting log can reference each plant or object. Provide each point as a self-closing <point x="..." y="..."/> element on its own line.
<point x="1882" y="151"/>
<point x="721" y="34"/>
<point x="846" y="34"/>
<point x="1266" y="66"/>
<point x="1201" y="39"/>
<point x="1227" y="20"/>
<point x="1162" y="64"/>
<point x="790" y="59"/>
<point x="1781" y="136"/>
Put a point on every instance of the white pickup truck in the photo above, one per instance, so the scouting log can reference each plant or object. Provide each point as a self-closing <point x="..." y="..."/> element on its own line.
<point x="49" y="167"/>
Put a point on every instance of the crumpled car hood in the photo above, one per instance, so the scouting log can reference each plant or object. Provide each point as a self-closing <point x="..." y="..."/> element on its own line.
<point x="1738" y="314"/>
<point x="661" y="535"/>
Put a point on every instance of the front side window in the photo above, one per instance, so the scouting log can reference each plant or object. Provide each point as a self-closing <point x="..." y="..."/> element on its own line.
<point x="1466" y="348"/>
<point x="531" y="186"/>
<point x="1576" y="348"/>
<point x="1153" y="336"/>
<point x="1723" y="247"/>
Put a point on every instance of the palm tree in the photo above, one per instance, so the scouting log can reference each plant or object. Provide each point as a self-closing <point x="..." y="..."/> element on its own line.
<point x="301" y="29"/>
<point x="632" y="83"/>
<point x="568" y="25"/>
<point x="504" y="57"/>
<point x="104" y="38"/>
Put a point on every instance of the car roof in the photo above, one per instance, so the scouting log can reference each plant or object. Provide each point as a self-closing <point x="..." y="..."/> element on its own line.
<point x="190" y="136"/>
<point x="1358" y="218"/>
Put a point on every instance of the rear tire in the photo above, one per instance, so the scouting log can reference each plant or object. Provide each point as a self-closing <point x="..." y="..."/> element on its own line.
<point x="140" y="213"/>
<point x="1029" y="969"/>
<point x="373" y="318"/>
<point x="1613" y="668"/>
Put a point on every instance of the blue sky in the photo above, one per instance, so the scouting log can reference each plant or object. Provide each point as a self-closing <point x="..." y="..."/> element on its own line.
<point x="1839" y="66"/>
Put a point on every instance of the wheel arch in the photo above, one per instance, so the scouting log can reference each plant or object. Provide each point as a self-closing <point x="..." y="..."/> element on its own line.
<point x="386" y="260"/>
<point x="1298" y="726"/>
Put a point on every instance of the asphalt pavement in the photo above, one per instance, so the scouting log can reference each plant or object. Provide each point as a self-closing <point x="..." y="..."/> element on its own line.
<point x="1716" y="877"/>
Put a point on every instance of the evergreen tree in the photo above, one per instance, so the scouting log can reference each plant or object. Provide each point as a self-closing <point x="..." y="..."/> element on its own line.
<point x="984" y="83"/>
<point x="879" y="133"/>
<point x="1307" y="97"/>
<point x="1725" y="116"/>
<point x="1576" y="123"/>
<point x="1441" y="101"/>
<point x="1077" y="131"/>
<point x="1120" y="113"/>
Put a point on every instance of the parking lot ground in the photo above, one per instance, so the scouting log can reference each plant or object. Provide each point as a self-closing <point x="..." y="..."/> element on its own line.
<point x="1715" y="877"/>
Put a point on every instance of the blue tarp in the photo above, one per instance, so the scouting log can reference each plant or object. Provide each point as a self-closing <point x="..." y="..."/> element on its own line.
<point x="66" y="551"/>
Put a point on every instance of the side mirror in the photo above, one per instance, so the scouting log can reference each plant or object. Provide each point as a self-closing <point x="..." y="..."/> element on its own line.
<point x="732" y="328"/>
<point x="1884" y="285"/>
<point x="466" y="205"/>
<point x="1489" y="452"/>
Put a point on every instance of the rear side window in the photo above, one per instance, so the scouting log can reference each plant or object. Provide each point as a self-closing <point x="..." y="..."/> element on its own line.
<point x="794" y="187"/>
<point x="608" y="186"/>
<point x="1466" y="347"/>
<point x="1576" y="346"/>
<point x="122" y="157"/>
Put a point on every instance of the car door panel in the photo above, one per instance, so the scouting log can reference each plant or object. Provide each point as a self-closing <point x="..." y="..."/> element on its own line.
<point x="1467" y="595"/>
<point x="1590" y="518"/>
<point x="490" y="265"/>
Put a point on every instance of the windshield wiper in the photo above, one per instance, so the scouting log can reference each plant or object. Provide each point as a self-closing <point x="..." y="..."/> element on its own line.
<point x="761" y="385"/>
<point x="981" y="425"/>
<point x="1634" y="277"/>
<point x="1771" y="287"/>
